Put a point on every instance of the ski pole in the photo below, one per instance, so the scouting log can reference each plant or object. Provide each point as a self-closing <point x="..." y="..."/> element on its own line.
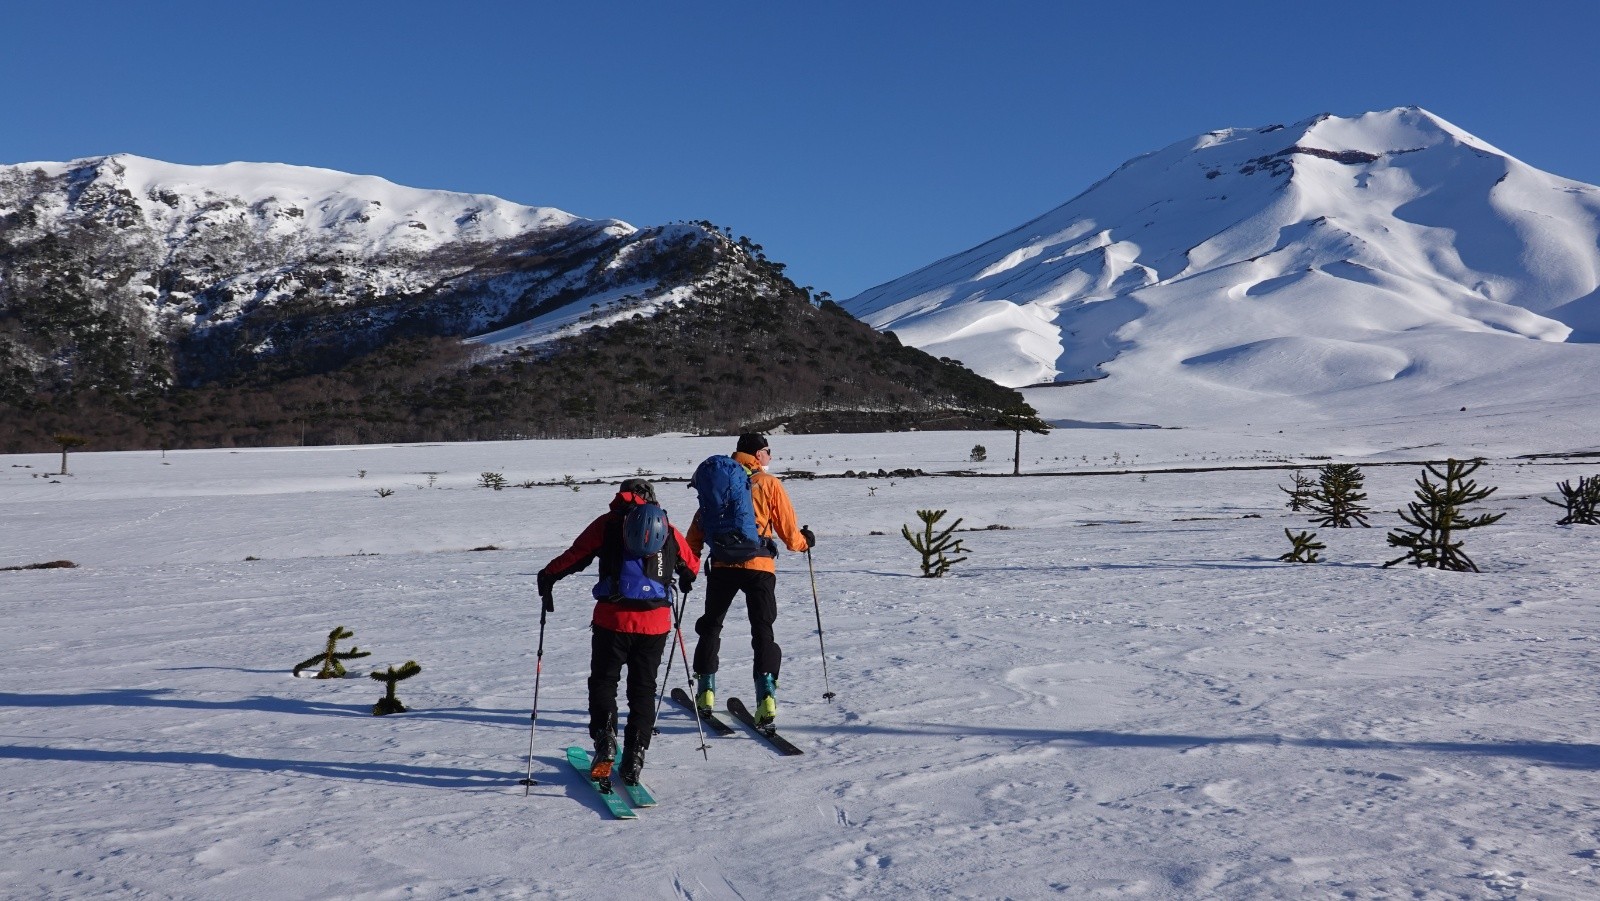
<point x="533" y="721"/>
<point x="677" y="617"/>
<point x="677" y="627"/>
<point x="827" y="692"/>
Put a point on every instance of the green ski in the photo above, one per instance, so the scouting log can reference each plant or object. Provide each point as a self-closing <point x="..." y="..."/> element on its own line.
<point x="579" y="758"/>
<point x="639" y="794"/>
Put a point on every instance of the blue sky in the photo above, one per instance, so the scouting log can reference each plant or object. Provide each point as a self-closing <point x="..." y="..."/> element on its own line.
<point x="855" y="141"/>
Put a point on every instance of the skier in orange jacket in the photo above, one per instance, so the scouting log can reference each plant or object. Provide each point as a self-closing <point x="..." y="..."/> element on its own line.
<point x="757" y="578"/>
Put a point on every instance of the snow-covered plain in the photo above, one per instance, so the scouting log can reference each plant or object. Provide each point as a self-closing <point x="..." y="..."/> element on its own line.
<point x="1121" y="694"/>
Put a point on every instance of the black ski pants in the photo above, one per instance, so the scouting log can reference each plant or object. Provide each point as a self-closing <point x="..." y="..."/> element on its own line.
<point x="760" y="599"/>
<point x="609" y="652"/>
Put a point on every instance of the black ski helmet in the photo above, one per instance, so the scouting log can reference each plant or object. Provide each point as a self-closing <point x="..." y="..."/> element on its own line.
<point x="644" y="530"/>
<point x="639" y="488"/>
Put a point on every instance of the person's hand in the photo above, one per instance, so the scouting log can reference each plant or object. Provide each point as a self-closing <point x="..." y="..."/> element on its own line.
<point x="685" y="583"/>
<point x="811" y="540"/>
<point x="547" y="592"/>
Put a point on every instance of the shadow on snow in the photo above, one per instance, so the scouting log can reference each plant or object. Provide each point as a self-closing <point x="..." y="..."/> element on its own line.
<point x="400" y="774"/>
<point x="1572" y="756"/>
<point x="165" y="697"/>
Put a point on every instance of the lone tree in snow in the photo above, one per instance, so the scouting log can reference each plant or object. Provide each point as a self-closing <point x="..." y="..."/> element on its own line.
<point x="1582" y="503"/>
<point x="1018" y="419"/>
<point x="1299" y="492"/>
<point x="1436" y="517"/>
<point x="67" y="441"/>
<point x="1336" y="501"/>
<point x="979" y="454"/>
<point x="331" y="658"/>
<point x="1305" y="547"/>
<point x="389" y="703"/>
<point x="933" y="545"/>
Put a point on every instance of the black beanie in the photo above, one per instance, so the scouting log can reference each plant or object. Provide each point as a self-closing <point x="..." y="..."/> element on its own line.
<point x="750" y="442"/>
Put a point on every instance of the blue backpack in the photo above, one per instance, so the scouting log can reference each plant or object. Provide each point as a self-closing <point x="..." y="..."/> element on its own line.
<point x="727" y="514"/>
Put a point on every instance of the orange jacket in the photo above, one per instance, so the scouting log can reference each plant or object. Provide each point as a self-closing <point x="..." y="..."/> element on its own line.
<point x="775" y="518"/>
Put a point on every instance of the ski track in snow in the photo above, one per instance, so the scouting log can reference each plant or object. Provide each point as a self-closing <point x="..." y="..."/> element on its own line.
<point x="1122" y="695"/>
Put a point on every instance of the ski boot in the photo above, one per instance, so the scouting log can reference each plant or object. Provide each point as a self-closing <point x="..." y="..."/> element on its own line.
<point x="632" y="765"/>
<point x="605" y="753"/>
<point x="705" y="698"/>
<point x="766" y="701"/>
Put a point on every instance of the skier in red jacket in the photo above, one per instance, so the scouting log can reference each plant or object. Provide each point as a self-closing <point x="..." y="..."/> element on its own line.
<point x="632" y="617"/>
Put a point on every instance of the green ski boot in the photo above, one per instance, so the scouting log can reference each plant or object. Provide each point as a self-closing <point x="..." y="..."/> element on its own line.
<point x="766" y="700"/>
<point x="705" y="698"/>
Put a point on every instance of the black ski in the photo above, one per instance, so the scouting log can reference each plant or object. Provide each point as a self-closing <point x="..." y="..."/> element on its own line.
<point x="742" y="713"/>
<point x="683" y="700"/>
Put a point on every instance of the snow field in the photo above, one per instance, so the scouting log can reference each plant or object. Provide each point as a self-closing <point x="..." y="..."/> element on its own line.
<point x="1121" y="694"/>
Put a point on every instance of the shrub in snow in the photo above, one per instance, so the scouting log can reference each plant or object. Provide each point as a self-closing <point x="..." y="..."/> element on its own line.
<point x="1336" y="501"/>
<point x="979" y="453"/>
<point x="494" y="480"/>
<point x="1304" y="549"/>
<point x="331" y="658"/>
<point x="1582" y="503"/>
<point x="934" y="545"/>
<point x="389" y="703"/>
<point x="1299" y="492"/>
<point x="1436" y="517"/>
<point x="53" y="564"/>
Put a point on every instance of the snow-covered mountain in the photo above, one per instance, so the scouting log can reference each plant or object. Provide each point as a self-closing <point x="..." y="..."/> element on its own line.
<point x="259" y="303"/>
<point x="239" y="261"/>
<point x="1326" y="257"/>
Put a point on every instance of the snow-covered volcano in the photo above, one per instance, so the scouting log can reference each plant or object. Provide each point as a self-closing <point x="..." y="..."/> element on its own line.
<point x="1329" y="256"/>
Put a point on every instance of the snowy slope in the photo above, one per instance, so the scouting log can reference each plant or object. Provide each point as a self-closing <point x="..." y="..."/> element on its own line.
<point x="360" y="214"/>
<point x="1285" y="267"/>
<point x="1120" y="695"/>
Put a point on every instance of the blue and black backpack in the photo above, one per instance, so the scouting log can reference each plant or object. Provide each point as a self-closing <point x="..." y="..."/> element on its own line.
<point x="636" y="559"/>
<point x="727" y="513"/>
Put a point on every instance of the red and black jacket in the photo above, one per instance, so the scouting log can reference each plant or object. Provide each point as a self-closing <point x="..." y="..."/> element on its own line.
<point x="603" y="539"/>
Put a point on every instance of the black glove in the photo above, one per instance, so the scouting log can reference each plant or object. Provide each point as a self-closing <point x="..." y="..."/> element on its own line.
<point x="811" y="540"/>
<point x="685" y="583"/>
<point x="546" y="592"/>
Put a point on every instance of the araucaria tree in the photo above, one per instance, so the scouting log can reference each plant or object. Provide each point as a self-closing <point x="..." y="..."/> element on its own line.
<point x="1436" y="517"/>
<point x="1299" y="491"/>
<point x="1582" y="503"/>
<point x="1018" y="419"/>
<point x="389" y="703"/>
<point x="67" y="442"/>
<point x="934" y="545"/>
<point x="331" y="658"/>
<point x="1304" y="547"/>
<point x="1336" y="501"/>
